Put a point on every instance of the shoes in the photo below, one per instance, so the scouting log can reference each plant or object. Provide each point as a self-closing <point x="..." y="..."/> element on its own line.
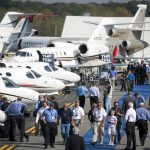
<point x="112" y="144"/>
<point x="93" y="143"/>
<point x="21" y="140"/>
<point x="133" y="148"/>
<point x="45" y="147"/>
<point x="126" y="148"/>
<point x="142" y="143"/>
<point x="101" y="142"/>
<point x="52" y="146"/>
<point x="27" y="138"/>
<point x="109" y="142"/>
<point x="13" y="140"/>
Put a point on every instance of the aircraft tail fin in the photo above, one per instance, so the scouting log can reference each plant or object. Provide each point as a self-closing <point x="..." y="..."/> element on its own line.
<point x="101" y="33"/>
<point x="19" y="31"/>
<point x="139" y="17"/>
<point x="23" y="28"/>
<point x="10" y="18"/>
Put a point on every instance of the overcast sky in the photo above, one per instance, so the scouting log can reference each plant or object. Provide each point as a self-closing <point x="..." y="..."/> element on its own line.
<point x="80" y="1"/>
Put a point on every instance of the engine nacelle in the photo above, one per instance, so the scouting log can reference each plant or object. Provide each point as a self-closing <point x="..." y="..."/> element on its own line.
<point x="34" y="32"/>
<point x="134" y="45"/>
<point x="89" y="49"/>
<point x="113" y="33"/>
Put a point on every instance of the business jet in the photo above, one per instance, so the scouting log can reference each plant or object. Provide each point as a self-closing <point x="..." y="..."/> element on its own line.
<point x="9" y="88"/>
<point x="8" y="23"/>
<point x="21" y="29"/>
<point x="67" y="55"/>
<point x="46" y="69"/>
<point x="28" y="78"/>
<point x="3" y="118"/>
<point x="107" y="38"/>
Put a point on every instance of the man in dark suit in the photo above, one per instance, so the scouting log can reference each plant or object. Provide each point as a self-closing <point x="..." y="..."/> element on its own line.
<point x="75" y="142"/>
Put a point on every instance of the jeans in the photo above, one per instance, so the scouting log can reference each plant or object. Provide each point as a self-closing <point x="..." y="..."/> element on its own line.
<point x="108" y="104"/>
<point x="65" y="128"/>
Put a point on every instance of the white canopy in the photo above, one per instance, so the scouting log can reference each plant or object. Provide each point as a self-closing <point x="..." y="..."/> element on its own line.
<point x="93" y="63"/>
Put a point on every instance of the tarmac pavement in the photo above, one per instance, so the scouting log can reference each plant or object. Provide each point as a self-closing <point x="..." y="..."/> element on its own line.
<point x="36" y="142"/>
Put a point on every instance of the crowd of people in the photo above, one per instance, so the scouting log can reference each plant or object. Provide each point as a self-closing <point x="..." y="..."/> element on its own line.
<point x="48" y="115"/>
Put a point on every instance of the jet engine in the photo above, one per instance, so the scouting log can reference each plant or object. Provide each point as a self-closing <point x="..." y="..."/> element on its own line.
<point x="113" y="33"/>
<point x="34" y="32"/>
<point x="134" y="45"/>
<point x="89" y="49"/>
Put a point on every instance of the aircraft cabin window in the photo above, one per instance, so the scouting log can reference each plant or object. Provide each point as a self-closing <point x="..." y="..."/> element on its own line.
<point x="37" y="75"/>
<point x="2" y="65"/>
<point x="10" y="66"/>
<point x="30" y="75"/>
<point x="47" y="68"/>
<point x="0" y="74"/>
<point x="8" y="83"/>
<point x="28" y="67"/>
<point x="65" y="53"/>
<point x="8" y="74"/>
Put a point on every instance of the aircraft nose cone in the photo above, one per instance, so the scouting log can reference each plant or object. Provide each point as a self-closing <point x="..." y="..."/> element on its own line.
<point x="71" y="77"/>
<point x="55" y="84"/>
<point x="75" y="77"/>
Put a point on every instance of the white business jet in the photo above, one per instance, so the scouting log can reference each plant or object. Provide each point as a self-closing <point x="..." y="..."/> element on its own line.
<point x="28" y="78"/>
<point x="67" y="55"/>
<point x="9" y="88"/>
<point x="46" y="69"/>
<point x="8" y="23"/>
<point x="19" y="30"/>
<point x="107" y="38"/>
<point x="3" y="118"/>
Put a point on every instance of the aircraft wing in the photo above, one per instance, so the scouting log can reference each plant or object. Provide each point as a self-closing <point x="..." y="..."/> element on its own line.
<point x="17" y="96"/>
<point x="93" y="63"/>
<point x="113" y="24"/>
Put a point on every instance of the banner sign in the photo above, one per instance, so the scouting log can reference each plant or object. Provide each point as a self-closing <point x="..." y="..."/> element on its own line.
<point x="105" y="57"/>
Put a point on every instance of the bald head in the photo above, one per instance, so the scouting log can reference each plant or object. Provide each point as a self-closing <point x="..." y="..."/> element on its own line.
<point x="75" y="130"/>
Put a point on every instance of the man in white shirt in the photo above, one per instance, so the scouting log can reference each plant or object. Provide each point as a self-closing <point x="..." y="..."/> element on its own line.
<point x="78" y="114"/>
<point x="99" y="114"/>
<point x="94" y="94"/>
<point x="38" y="120"/>
<point x="130" y="118"/>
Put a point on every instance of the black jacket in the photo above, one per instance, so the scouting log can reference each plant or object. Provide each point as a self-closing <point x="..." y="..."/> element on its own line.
<point x="75" y="142"/>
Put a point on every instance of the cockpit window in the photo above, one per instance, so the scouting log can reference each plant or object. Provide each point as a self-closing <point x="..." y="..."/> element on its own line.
<point x="21" y="54"/>
<point x="53" y="67"/>
<point x="37" y="75"/>
<point x="29" y="75"/>
<point x="47" y="68"/>
<point x="2" y="65"/>
<point x="8" y="83"/>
